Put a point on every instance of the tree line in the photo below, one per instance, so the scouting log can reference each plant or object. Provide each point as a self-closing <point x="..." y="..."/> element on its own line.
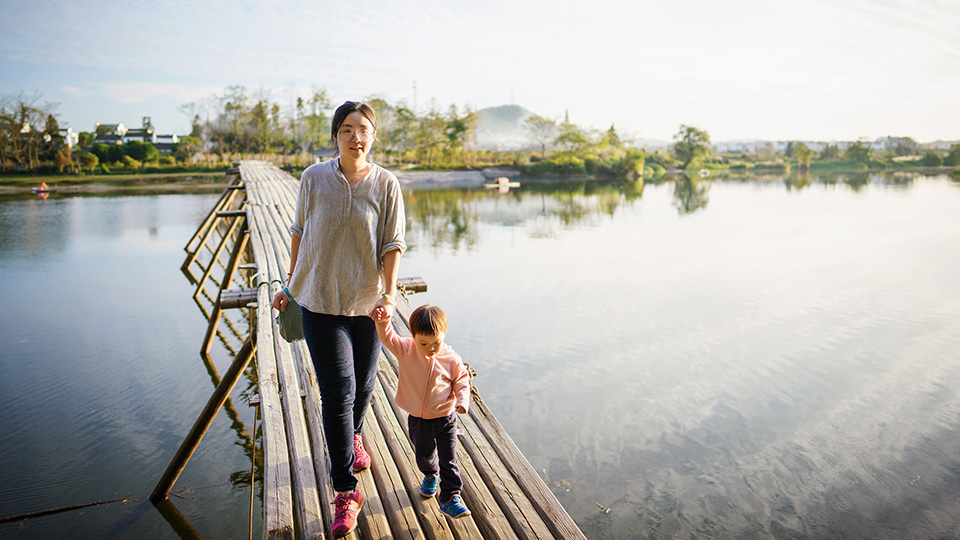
<point x="241" y="122"/>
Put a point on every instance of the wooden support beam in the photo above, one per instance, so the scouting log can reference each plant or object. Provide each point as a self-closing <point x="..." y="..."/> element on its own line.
<point x="209" y="412"/>
<point x="216" y="255"/>
<point x="214" y="321"/>
<point x="237" y="298"/>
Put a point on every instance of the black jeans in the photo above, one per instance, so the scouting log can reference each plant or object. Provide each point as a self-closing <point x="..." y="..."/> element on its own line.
<point x="345" y="352"/>
<point x="435" y="445"/>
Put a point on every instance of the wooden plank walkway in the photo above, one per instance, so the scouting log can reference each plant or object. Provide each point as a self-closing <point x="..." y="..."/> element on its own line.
<point x="506" y="496"/>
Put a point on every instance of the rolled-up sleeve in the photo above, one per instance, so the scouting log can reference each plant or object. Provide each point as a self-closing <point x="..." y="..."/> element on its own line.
<point x="394" y="220"/>
<point x="296" y="228"/>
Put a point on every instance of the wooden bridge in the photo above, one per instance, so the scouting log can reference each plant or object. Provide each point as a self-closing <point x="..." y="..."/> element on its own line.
<point x="508" y="499"/>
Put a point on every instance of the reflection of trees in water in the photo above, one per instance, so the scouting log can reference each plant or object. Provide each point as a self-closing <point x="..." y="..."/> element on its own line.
<point x="444" y="217"/>
<point x="450" y="217"/>
<point x="690" y="193"/>
<point x="798" y="182"/>
<point x="857" y="181"/>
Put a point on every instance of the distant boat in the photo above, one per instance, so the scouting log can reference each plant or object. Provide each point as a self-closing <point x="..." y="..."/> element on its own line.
<point x="502" y="184"/>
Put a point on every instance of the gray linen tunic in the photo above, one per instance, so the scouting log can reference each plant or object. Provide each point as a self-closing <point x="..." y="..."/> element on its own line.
<point x="343" y="233"/>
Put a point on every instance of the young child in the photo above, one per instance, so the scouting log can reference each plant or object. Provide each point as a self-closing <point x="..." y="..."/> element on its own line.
<point x="434" y="386"/>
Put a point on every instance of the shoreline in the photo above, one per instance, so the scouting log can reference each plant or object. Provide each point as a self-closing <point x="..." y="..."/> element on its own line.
<point x="210" y="181"/>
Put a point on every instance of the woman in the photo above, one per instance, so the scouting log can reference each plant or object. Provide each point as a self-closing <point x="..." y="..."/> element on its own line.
<point x="348" y="235"/>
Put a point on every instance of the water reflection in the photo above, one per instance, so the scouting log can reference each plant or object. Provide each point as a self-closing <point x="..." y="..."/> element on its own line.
<point x="778" y="363"/>
<point x="100" y="370"/>
<point x="690" y="193"/>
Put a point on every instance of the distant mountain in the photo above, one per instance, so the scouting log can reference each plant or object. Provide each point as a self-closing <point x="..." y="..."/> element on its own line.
<point x="501" y="128"/>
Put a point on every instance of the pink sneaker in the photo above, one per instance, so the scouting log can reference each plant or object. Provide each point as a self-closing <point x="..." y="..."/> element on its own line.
<point x="347" y="507"/>
<point x="361" y="460"/>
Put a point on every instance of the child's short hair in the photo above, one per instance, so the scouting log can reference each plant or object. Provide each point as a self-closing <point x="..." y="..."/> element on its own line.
<point x="428" y="320"/>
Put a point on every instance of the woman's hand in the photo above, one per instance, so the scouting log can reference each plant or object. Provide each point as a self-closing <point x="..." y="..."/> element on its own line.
<point x="384" y="309"/>
<point x="280" y="301"/>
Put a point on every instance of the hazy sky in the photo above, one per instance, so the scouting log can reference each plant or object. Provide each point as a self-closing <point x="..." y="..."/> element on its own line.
<point x="764" y="69"/>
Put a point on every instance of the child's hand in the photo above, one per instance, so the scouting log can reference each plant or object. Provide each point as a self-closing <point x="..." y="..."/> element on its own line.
<point x="461" y="409"/>
<point x="379" y="314"/>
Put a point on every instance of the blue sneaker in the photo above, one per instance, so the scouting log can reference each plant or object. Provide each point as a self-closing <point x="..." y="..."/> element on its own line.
<point x="429" y="486"/>
<point x="455" y="507"/>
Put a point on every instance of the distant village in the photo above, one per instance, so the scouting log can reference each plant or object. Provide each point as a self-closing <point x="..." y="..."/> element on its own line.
<point x="121" y="134"/>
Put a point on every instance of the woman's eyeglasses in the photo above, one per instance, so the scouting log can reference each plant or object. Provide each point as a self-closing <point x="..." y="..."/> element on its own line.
<point x="364" y="135"/>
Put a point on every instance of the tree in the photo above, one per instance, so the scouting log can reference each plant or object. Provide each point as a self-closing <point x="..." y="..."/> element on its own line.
<point x="89" y="160"/>
<point x="692" y="145"/>
<point x="386" y="120"/>
<point x="572" y="138"/>
<point x="403" y="135"/>
<point x="931" y="159"/>
<point x="611" y="138"/>
<point x="459" y="129"/>
<point x="632" y="163"/>
<point x="859" y="152"/>
<point x="953" y="158"/>
<point x="28" y="128"/>
<point x="52" y="140"/>
<point x="830" y="151"/>
<point x="84" y="139"/>
<point x="804" y="154"/>
<point x="902" y="146"/>
<point x="142" y="151"/>
<point x="317" y="123"/>
<point x="431" y="134"/>
<point x="186" y="148"/>
<point x="542" y="130"/>
<point x="791" y="150"/>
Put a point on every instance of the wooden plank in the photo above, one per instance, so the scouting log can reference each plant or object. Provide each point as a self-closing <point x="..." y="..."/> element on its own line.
<point x="321" y="459"/>
<point x="396" y="501"/>
<point x="306" y="498"/>
<point x="545" y="502"/>
<point x="277" y="493"/>
<point x="462" y="528"/>
<point x="432" y="522"/>
<point x="523" y="517"/>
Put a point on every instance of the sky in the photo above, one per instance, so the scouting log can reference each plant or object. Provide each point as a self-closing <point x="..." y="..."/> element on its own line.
<point x="818" y="70"/>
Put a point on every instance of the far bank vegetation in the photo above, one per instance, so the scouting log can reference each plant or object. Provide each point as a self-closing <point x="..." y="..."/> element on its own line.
<point x="293" y="131"/>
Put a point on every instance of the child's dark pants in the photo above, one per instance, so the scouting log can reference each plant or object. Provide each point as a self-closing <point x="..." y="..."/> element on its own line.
<point x="435" y="445"/>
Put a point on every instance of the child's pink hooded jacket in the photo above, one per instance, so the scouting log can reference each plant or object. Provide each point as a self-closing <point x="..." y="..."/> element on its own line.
<point x="430" y="386"/>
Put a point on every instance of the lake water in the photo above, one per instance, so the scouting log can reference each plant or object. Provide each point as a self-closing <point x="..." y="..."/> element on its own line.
<point x="762" y="359"/>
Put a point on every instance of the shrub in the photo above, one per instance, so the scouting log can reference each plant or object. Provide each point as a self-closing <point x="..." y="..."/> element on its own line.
<point x="931" y="159"/>
<point x="953" y="158"/>
<point x="130" y="163"/>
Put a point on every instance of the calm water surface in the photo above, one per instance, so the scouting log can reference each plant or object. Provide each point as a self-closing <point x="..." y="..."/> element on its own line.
<point x="764" y="359"/>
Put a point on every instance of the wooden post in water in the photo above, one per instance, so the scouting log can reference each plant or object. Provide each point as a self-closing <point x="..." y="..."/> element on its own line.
<point x="200" y="427"/>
